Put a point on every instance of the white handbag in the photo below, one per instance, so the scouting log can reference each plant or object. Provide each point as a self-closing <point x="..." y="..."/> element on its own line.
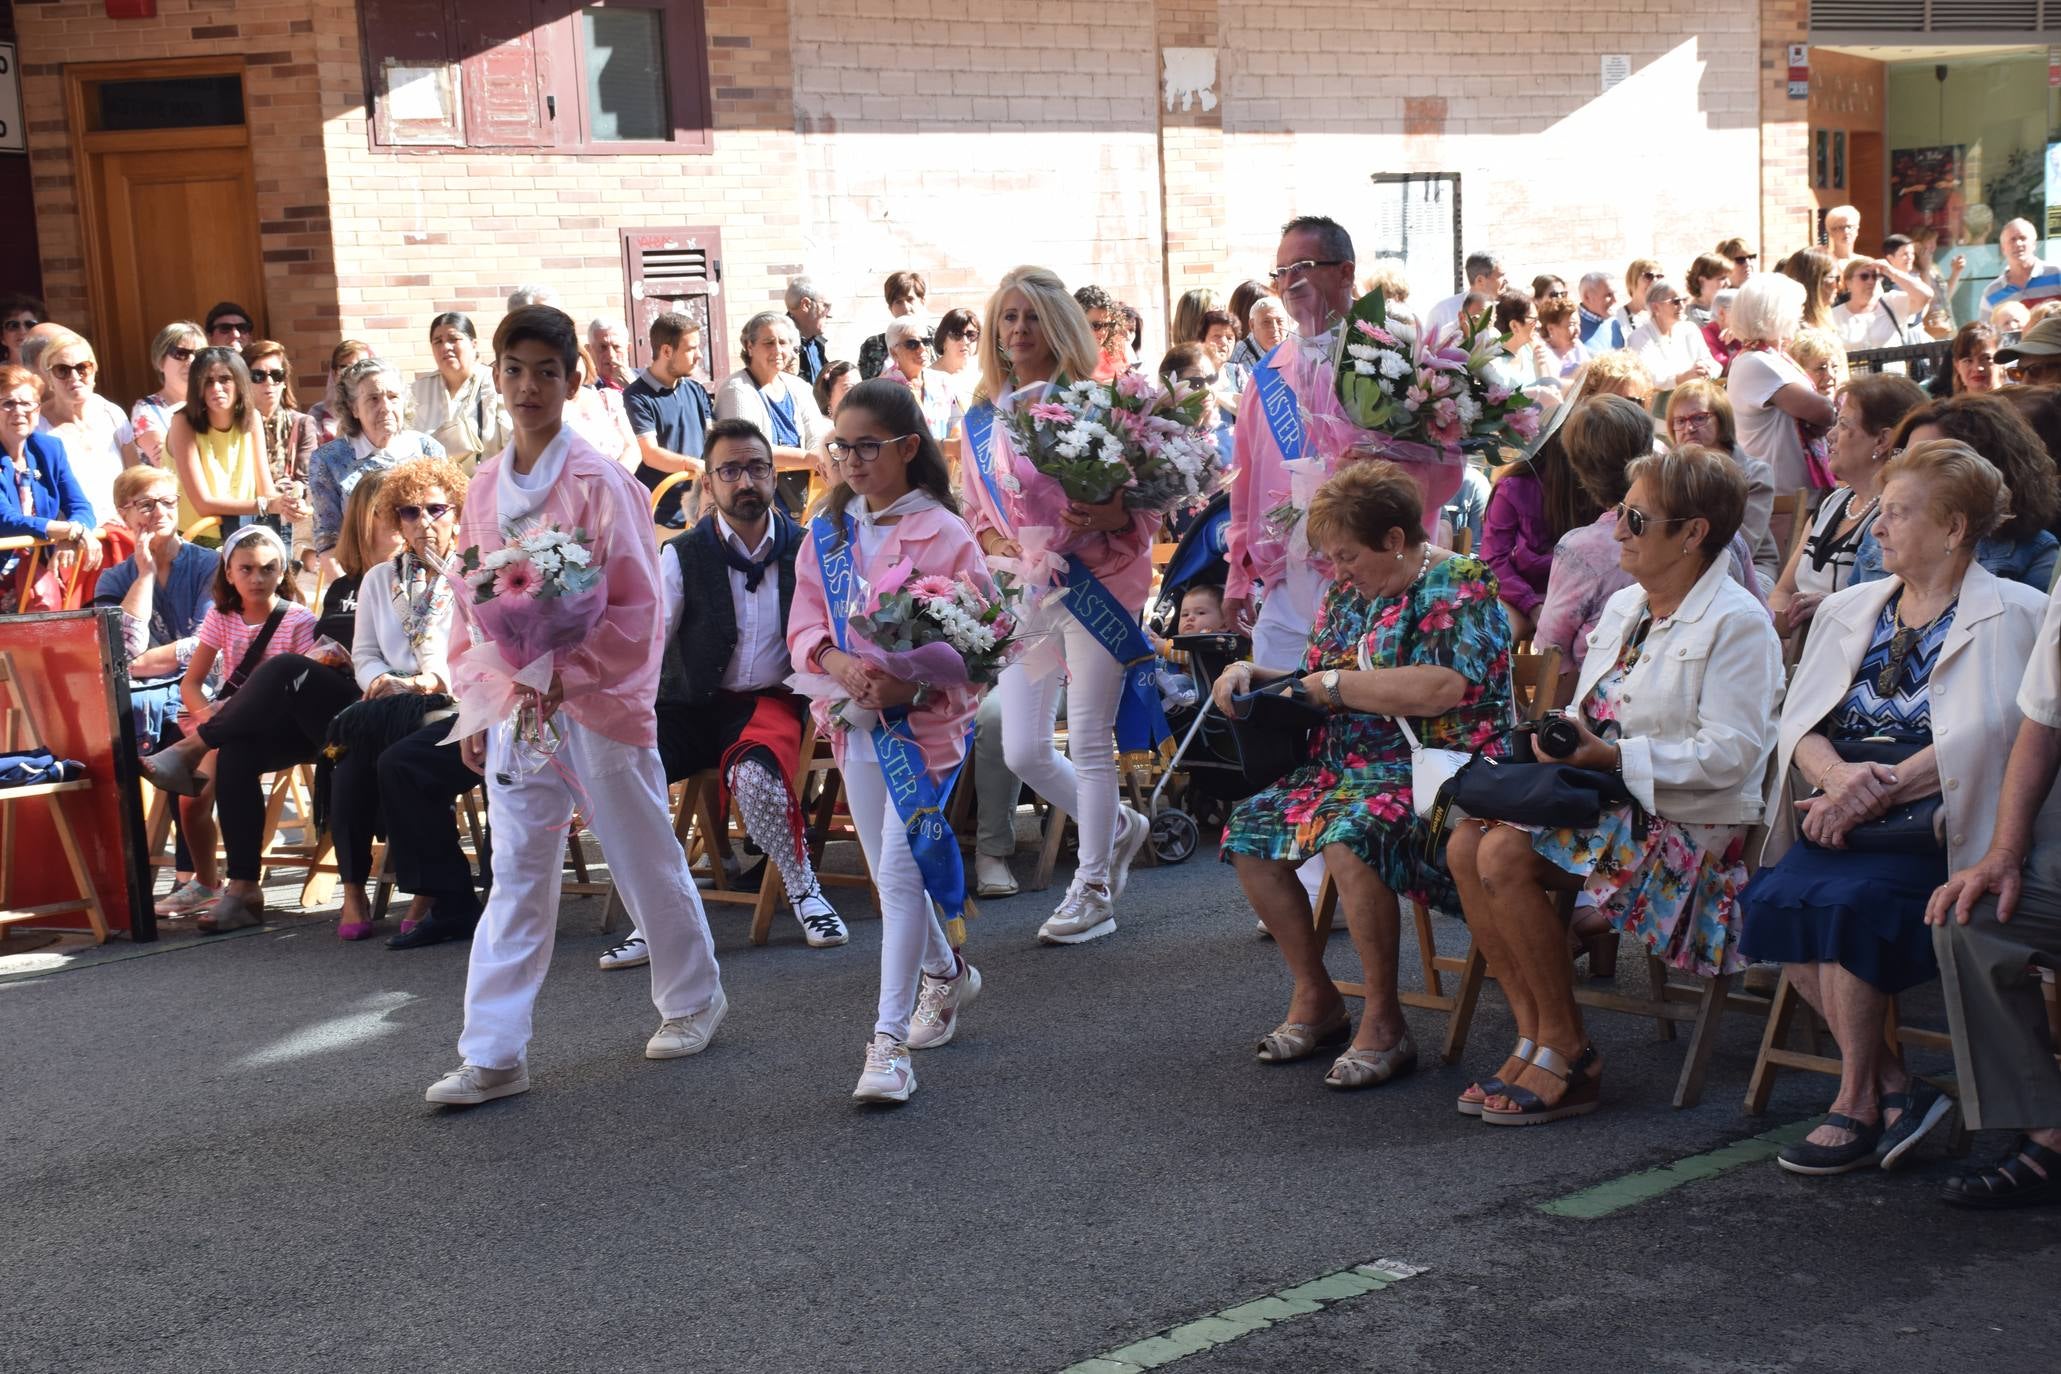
<point x="1430" y="769"/>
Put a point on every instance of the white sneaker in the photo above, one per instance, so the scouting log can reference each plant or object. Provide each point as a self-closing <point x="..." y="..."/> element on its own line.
<point x="631" y="953"/>
<point x="819" y="921"/>
<point x="469" y="1085"/>
<point x="1132" y="828"/>
<point x="992" y="876"/>
<point x="190" y="898"/>
<point x="938" y="1003"/>
<point x="888" y="1075"/>
<point x="1083" y="915"/>
<point x="680" y="1036"/>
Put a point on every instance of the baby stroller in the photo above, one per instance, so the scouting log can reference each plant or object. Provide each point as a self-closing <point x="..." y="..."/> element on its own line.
<point x="1198" y="558"/>
<point x="1205" y="774"/>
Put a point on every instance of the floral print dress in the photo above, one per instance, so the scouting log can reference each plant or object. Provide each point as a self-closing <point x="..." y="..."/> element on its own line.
<point x="1355" y="791"/>
<point x="1678" y="887"/>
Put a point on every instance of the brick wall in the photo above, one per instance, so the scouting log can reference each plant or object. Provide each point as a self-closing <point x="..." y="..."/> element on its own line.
<point x="855" y="137"/>
<point x="1787" y="207"/>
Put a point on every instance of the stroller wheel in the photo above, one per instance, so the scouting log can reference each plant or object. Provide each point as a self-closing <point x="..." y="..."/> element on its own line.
<point x="1174" y="836"/>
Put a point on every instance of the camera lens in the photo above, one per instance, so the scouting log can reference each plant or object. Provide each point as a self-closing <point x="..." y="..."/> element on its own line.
<point x="1558" y="737"/>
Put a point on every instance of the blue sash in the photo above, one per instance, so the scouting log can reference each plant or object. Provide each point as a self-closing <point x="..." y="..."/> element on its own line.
<point x="1278" y="404"/>
<point x="780" y="414"/>
<point x="1140" y="720"/>
<point x="917" y="800"/>
<point x="980" y="435"/>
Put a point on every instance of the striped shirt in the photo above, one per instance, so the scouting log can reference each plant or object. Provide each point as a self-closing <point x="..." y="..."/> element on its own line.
<point x="2043" y="285"/>
<point x="230" y="635"/>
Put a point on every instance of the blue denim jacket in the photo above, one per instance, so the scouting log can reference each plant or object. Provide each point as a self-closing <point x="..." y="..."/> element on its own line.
<point x="2030" y="561"/>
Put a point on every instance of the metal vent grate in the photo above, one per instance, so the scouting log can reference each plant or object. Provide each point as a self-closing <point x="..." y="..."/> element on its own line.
<point x="1987" y="16"/>
<point x="1875" y="16"/>
<point x="673" y="263"/>
<point x="1933" y="16"/>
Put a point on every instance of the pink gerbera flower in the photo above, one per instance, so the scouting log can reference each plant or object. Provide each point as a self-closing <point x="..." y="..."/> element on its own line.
<point x="1051" y="412"/>
<point x="932" y="588"/>
<point x="518" y="579"/>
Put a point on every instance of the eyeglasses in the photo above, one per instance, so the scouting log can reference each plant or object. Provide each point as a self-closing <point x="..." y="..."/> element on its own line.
<point x="1637" y="520"/>
<point x="434" y="512"/>
<point x="1694" y="419"/>
<point x="147" y="504"/>
<point x="64" y="372"/>
<point x="926" y="341"/>
<point x="227" y="326"/>
<point x="1293" y="268"/>
<point x="274" y="375"/>
<point x="859" y="451"/>
<point x="28" y="404"/>
<point x="1648" y="276"/>
<point x="737" y="472"/>
<point x="1865" y="276"/>
<point x="1666" y="300"/>
<point x="1110" y="329"/>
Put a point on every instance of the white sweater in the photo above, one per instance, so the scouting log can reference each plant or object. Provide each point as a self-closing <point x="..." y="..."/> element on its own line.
<point x="380" y="645"/>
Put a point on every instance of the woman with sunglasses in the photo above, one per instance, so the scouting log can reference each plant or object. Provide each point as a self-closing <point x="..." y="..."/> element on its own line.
<point x="1876" y="315"/>
<point x="150" y="419"/>
<point x="1895" y="733"/>
<point x="1677" y="696"/>
<point x="957" y="346"/>
<point x="90" y="426"/>
<point x="909" y="342"/>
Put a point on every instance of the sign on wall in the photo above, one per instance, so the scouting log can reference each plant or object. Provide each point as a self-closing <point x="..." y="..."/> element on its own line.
<point x="1799" y="71"/>
<point x="14" y="137"/>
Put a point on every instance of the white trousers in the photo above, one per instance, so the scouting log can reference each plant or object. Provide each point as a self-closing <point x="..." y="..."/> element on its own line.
<point x="1281" y="633"/>
<point x="1083" y="784"/>
<point x="625" y="807"/>
<point x="911" y="940"/>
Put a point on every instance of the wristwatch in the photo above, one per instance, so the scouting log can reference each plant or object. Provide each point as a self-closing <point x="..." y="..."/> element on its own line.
<point x="1331" y="692"/>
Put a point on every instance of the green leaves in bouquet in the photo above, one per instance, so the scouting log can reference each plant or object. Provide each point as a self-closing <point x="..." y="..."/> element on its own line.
<point x="890" y="626"/>
<point x="1365" y="403"/>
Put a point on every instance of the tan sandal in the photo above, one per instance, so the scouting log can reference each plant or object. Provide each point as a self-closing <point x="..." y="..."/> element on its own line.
<point x="1294" y="1040"/>
<point x="1358" y="1068"/>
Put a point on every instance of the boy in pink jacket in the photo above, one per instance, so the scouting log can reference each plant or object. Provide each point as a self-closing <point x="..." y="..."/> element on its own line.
<point x="599" y="703"/>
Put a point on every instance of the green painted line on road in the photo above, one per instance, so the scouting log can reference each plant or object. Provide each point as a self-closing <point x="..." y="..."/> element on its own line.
<point x="1619" y="1193"/>
<point x="1237" y="1322"/>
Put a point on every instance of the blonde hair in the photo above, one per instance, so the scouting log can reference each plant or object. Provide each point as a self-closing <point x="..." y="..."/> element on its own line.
<point x="1060" y="316"/>
<point x="1188" y="313"/>
<point x="1616" y="373"/>
<point x="59" y="342"/>
<point x="1958" y="481"/>
<point x="1813" y="346"/>
<point x="1386" y="275"/>
<point x="362" y="504"/>
<point x="133" y="482"/>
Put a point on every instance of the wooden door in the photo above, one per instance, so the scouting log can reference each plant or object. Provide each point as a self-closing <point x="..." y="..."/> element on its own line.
<point x="1867" y="180"/>
<point x="177" y="231"/>
<point x="678" y="270"/>
<point x="167" y="201"/>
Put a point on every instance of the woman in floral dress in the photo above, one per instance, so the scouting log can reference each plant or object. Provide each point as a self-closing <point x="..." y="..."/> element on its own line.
<point x="1407" y="630"/>
<point x="1678" y="696"/>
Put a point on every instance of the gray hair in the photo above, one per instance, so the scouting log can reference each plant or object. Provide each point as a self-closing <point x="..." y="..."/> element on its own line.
<point x="764" y="319"/>
<point x="1725" y="298"/>
<point x="1332" y="239"/>
<point x="531" y="295"/>
<point x="903" y="328"/>
<point x="1661" y="287"/>
<point x="343" y="395"/>
<point x="601" y="324"/>
<point x="1769" y="308"/>
<point x="1265" y="305"/>
<point x="1592" y="280"/>
<point x="1482" y="265"/>
<point x="801" y="289"/>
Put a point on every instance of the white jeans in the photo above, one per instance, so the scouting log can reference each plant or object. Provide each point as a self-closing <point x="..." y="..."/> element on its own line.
<point x="1084" y="784"/>
<point x="1281" y="634"/>
<point x="625" y="807"/>
<point x="911" y="940"/>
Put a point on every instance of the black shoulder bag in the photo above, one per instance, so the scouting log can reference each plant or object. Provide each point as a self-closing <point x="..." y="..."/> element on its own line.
<point x="252" y="656"/>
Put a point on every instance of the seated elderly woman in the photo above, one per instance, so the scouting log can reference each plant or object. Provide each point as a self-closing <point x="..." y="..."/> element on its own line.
<point x="1678" y="697"/>
<point x="1407" y="630"/>
<point x="372" y="434"/>
<point x="1897" y="726"/>
<point x="2021" y="548"/>
<point x="1699" y="412"/>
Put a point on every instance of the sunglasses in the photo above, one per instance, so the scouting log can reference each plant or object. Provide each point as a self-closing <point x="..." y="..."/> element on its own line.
<point x="1900" y="645"/>
<point x="1637" y="521"/>
<point x="180" y="355"/>
<point x="737" y="472"/>
<point x="273" y="375"/>
<point x="1864" y="276"/>
<point x="433" y="512"/>
<point x="64" y="372"/>
<point x="229" y="327"/>
<point x="19" y="325"/>
<point x="1742" y="261"/>
<point x="926" y="341"/>
<point x="859" y="451"/>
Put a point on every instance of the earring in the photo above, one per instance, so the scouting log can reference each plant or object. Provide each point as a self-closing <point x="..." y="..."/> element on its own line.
<point x="1398" y="558"/>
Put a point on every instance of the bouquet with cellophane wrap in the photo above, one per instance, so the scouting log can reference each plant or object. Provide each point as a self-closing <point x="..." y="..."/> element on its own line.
<point x="936" y="631"/>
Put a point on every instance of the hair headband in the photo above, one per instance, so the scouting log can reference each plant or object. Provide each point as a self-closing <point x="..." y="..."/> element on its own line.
<point x="250" y="532"/>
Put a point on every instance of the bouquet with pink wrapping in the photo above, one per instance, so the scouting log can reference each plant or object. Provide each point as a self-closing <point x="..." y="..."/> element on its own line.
<point x="939" y="632"/>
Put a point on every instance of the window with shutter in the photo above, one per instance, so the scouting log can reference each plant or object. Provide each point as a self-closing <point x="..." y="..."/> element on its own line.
<point x="679" y="270"/>
<point x="611" y="76"/>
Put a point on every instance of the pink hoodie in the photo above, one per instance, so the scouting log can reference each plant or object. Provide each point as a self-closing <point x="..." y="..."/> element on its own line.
<point x="934" y="541"/>
<point x="1122" y="560"/>
<point x="611" y="679"/>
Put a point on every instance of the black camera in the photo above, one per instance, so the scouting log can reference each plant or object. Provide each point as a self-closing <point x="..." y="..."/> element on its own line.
<point x="1558" y="736"/>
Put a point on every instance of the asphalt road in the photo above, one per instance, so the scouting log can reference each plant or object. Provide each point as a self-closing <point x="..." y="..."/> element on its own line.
<point x="217" y="1158"/>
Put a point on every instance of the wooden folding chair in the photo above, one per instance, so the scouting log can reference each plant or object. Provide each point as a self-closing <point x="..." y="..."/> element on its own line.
<point x="19" y="732"/>
<point x="1533" y="680"/>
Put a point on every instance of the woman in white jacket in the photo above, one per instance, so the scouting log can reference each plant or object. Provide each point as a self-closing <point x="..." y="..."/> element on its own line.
<point x="1678" y="695"/>
<point x="1895" y="734"/>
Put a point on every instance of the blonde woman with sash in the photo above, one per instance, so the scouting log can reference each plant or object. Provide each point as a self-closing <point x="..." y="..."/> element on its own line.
<point x="1034" y="337"/>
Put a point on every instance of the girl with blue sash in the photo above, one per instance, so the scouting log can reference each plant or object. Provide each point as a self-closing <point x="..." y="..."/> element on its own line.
<point x="1034" y="334"/>
<point x="892" y="504"/>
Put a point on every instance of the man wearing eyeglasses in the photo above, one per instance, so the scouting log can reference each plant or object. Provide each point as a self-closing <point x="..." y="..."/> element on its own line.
<point x="1484" y="275"/>
<point x="229" y="325"/>
<point x="723" y="700"/>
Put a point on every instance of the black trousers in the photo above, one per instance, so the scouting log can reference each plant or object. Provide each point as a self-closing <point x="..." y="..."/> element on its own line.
<point x="278" y="718"/>
<point x="419" y="778"/>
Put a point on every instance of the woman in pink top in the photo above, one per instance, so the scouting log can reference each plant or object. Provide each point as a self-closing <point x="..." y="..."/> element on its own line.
<point x="598" y="706"/>
<point x="892" y="505"/>
<point x="1034" y="335"/>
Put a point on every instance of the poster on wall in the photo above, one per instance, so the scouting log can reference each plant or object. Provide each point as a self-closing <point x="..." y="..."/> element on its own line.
<point x="1925" y="189"/>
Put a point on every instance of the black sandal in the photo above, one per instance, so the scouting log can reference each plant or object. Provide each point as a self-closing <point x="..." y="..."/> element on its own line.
<point x="1858" y="1153"/>
<point x="1584" y="1080"/>
<point x="2012" y="1182"/>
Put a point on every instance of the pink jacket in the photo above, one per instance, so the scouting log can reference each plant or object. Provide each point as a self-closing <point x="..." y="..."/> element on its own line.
<point x="610" y="680"/>
<point x="933" y="541"/>
<point x="1260" y="480"/>
<point x="1122" y="561"/>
